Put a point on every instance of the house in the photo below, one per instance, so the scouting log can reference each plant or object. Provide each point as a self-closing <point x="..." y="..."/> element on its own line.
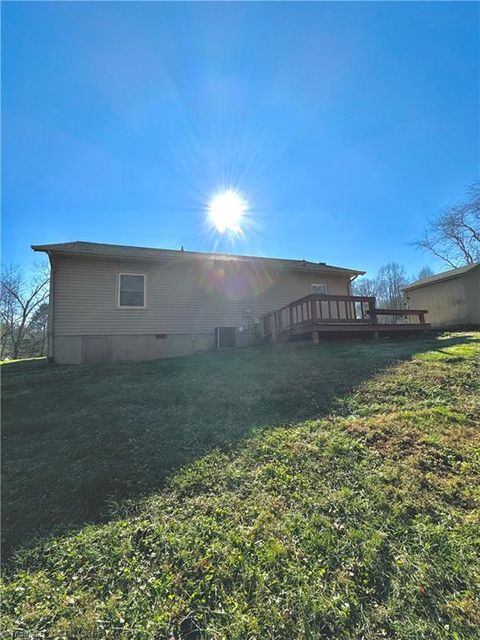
<point x="112" y="302"/>
<point x="452" y="297"/>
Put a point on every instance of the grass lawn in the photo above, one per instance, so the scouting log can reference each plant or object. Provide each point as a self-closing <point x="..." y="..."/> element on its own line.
<point x="287" y="492"/>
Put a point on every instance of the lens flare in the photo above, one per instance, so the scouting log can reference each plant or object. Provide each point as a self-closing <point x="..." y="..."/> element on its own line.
<point x="226" y="211"/>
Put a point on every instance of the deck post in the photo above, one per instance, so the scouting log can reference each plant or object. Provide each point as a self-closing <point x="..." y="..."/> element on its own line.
<point x="274" y="328"/>
<point x="315" y="337"/>
<point x="371" y="307"/>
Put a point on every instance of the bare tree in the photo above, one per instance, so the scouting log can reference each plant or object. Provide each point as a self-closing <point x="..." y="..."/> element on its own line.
<point x="454" y="235"/>
<point x="365" y="287"/>
<point x="5" y="339"/>
<point x="8" y="309"/>
<point x="36" y="336"/>
<point x="391" y="280"/>
<point x="425" y="272"/>
<point x="386" y="286"/>
<point x="20" y="299"/>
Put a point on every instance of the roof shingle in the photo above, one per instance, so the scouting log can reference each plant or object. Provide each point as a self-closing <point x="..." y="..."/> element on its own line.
<point x="445" y="275"/>
<point x="124" y="251"/>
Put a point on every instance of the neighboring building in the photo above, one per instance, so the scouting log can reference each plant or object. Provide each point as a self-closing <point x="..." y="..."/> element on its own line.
<point x="452" y="297"/>
<point x="111" y="302"/>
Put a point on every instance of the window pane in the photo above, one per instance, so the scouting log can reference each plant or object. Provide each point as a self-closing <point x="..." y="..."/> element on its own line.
<point x="131" y="283"/>
<point x="132" y="290"/>
<point x="131" y="298"/>
<point x="319" y="288"/>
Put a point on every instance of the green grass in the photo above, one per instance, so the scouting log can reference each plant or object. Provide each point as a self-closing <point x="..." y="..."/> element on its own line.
<point x="291" y="492"/>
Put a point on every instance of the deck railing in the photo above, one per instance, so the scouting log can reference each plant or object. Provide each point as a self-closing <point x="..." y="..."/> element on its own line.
<point x="317" y="309"/>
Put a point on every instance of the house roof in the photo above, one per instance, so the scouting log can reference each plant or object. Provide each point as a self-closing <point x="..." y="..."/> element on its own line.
<point x="440" y="277"/>
<point x="145" y="253"/>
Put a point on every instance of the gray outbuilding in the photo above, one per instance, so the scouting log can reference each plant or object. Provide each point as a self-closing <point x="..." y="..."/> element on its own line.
<point x="452" y="297"/>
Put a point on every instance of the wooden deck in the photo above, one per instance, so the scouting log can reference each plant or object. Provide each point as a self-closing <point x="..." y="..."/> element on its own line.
<point x="316" y="314"/>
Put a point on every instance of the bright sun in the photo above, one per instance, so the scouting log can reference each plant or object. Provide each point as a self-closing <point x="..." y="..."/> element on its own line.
<point x="226" y="211"/>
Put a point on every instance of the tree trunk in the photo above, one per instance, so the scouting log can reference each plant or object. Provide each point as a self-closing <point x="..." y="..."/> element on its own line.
<point x="42" y="345"/>
<point x="17" y="341"/>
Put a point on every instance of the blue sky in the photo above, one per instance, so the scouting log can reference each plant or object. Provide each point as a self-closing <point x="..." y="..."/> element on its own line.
<point x="344" y="125"/>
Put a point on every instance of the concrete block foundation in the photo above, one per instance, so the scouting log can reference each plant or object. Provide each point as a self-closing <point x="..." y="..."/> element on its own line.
<point x="111" y="348"/>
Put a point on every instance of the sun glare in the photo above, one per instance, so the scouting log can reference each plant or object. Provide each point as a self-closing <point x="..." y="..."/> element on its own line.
<point x="226" y="211"/>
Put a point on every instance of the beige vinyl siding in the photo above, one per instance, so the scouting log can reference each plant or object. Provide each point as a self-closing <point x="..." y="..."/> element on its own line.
<point x="182" y="296"/>
<point x="445" y="301"/>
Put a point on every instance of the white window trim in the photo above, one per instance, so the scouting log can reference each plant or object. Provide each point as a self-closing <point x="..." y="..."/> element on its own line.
<point x="319" y="284"/>
<point x="128" y="273"/>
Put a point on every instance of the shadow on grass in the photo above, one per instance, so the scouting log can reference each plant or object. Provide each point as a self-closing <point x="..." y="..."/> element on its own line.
<point x="76" y="438"/>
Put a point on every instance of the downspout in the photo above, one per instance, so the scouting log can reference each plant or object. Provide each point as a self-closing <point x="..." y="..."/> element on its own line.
<point x="50" y="320"/>
<point x="350" y="284"/>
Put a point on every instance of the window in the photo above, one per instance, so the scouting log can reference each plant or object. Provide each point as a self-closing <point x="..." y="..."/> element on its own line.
<point x="131" y="290"/>
<point x="319" y="289"/>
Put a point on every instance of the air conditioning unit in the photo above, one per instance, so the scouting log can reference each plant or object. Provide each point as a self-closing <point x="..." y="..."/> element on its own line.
<point x="225" y="337"/>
